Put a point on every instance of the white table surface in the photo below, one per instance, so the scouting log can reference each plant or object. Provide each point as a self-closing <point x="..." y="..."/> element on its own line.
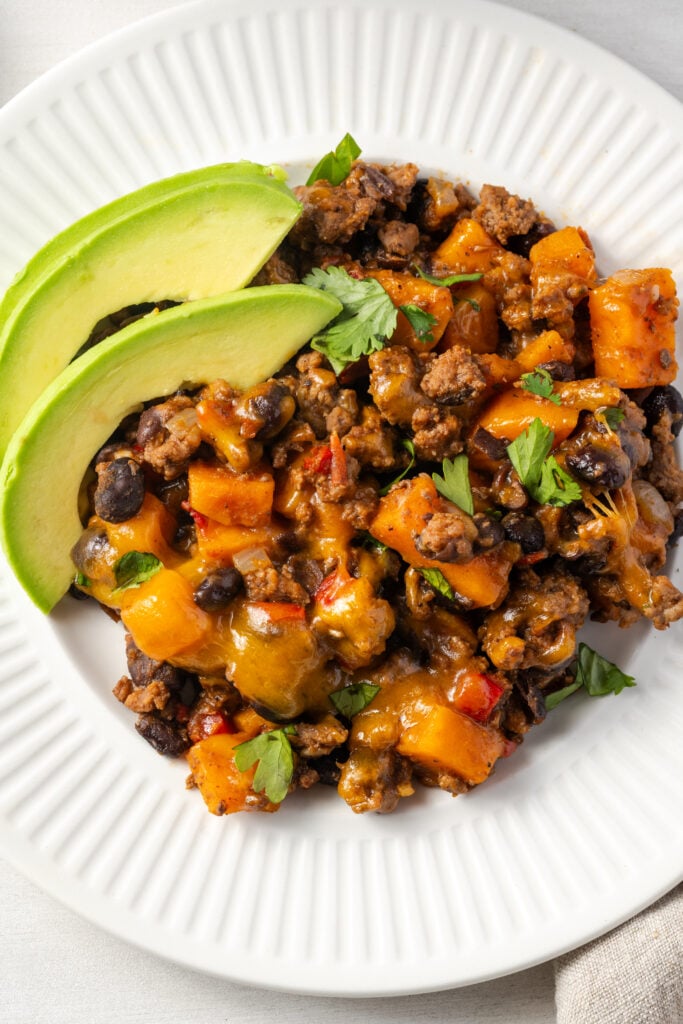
<point x="56" y="968"/>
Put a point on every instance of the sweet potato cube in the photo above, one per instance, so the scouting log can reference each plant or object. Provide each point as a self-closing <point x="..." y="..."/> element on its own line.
<point x="230" y="498"/>
<point x="474" y="323"/>
<point x="220" y="544"/>
<point x="223" y="786"/>
<point x="405" y="289"/>
<point x="445" y="740"/>
<point x="632" y="326"/>
<point x="510" y="413"/>
<point x="469" y="249"/>
<point x="548" y="347"/>
<point x="561" y="263"/>
<point x="163" y="618"/>
<point x="401" y="517"/>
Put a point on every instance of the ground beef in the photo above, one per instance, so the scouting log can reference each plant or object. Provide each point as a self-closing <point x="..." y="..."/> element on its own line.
<point x="448" y="537"/>
<point x="320" y="738"/>
<point x="373" y="444"/>
<point x="374" y="780"/>
<point x="277" y="270"/>
<point x="297" y="438"/>
<point x="503" y="214"/>
<point x="144" y="670"/>
<point x="154" y="695"/>
<point x="663" y="472"/>
<point x="395" y="376"/>
<point x="399" y="237"/>
<point x="270" y="585"/>
<point x="322" y="403"/>
<point x="440" y="203"/>
<point x="362" y="508"/>
<point x="436" y="433"/>
<point x="667" y="603"/>
<point x="509" y="283"/>
<point x="169" y="435"/>
<point x="454" y="377"/>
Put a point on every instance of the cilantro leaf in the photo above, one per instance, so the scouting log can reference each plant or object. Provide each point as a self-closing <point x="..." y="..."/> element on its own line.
<point x="553" y="699"/>
<point x="336" y="164"/>
<point x="81" y="580"/>
<point x="366" y="321"/>
<point x="275" y="769"/>
<point x="595" y="674"/>
<point x="410" y="448"/>
<point x="436" y="579"/>
<point x="540" y="473"/>
<point x="354" y="698"/>
<point x="528" y="452"/>
<point x="135" y="568"/>
<point x="598" y="675"/>
<point x="612" y="416"/>
<point x="556" y="487"/>
<point x="455" y="483"/>
<point x="420" y="320"/>
<point x="368" y="541"/>
<point x="446" y="282"/>
<point x="539" y="382"/>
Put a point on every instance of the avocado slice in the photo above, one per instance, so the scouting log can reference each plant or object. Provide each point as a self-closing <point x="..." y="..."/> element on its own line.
<point x="243" y="337"/>
<point x="197" y="234"/>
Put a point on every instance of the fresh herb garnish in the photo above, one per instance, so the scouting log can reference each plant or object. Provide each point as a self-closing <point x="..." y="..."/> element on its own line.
<point x="539" y="382"/>
<point x="368" y="541"/>
<point x="472" y="302"/>
<point x="421" y="321"/>
<point x="80" y="580"/>
<point x="451" y="279"/>
<point x="436" y="579"/>
<point x="556" y="486"/>
<point x="135" y="568"/>
<point x="543" y="477"/>
<point x="596" y="674"/>
<point x="336" y="164"/>
<point x="410" y="448"/>
<point x="612" y="416"/>
<point x="455" y="482"/>
<point x="354" y="698"/>
<point x="275" y="769"/>
<point x="366" y="321"/>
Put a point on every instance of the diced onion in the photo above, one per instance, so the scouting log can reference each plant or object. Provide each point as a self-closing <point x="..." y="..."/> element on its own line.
<point x="251" y="559"/>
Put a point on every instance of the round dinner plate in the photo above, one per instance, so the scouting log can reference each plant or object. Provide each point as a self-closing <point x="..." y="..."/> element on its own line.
<point x="583" y="826"/>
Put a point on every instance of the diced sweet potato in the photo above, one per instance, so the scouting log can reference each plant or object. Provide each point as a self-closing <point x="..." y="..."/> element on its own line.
<point x="223" y="786"/>
<point x="230" y="498"/>
<point x="401" y="518"/>
<point x="507" y="415"/>
<point x="562" y="263"/>
<point x="445" y="740"/>
<point x="474" y="323"/>
<point x="151" y="529"/>
<point x="548" y="347"/>
<point x="220" y="544"/>
<point x="498" y="370"/>
<point x="163" y="618"/>
<point x="632" y="326"/>
<point x="405" y="289"/>
<point x="468" y="249"/>
<point x="219" y="425"/>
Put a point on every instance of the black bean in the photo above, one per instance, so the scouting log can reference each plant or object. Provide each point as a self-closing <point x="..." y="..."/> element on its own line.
<point x="149" y="426"/>
<point x="525" y="531"/>
<point x="89" y="550"/>
<point x="558" y="370"/>
<point x="120" y="491"/>
<point x="264" y="410"/>
<point x="163" y="736"/>
<point x="491" y="532"/>
<point x="522" y="244"/>
<point x="488" y="445"/>
<point x="662" y="400"/>
<point x="598" y="464"/>
<point x="173" y="493"/>
<point x="217" y="589"/>
<point x="327" y="766"/>
<point x="143" y="670"/>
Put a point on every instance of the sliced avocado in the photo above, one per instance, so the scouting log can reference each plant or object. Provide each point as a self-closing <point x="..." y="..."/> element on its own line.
<point x="243" y="337"/>
<point x="197" y="234"/>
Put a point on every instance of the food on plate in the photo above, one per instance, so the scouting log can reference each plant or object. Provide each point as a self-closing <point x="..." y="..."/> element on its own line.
<point x="197" y="234"/>
<point x="364" y="562"/>
<point x="253" y="331"/>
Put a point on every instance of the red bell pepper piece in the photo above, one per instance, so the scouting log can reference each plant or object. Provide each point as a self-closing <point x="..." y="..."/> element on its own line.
<point x="339" y="474"/>
<point x="477" y="695"/>
<point x="330" y="588"/>
<point x="319" y="460"/>
<point x="200" y="520"/>
<point x="213" y="723"/>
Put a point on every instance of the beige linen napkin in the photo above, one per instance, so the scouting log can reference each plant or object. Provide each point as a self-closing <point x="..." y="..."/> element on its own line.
<point x="632" y="975"/>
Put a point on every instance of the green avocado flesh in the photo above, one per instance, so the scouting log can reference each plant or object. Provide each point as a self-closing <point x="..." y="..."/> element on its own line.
<point x="243" y="337"/>
<point x="189" y="237"/>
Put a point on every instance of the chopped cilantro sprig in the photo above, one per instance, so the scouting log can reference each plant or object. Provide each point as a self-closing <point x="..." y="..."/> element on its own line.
<point x="539" y="382"/>
<point x="275" y="769"/>
<point x="455" y="483"/>
<point x="366" y="321"/>
<point x="540" y="472"/>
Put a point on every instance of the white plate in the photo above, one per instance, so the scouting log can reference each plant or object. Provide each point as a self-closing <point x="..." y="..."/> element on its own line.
<point x="583" y="826"/>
